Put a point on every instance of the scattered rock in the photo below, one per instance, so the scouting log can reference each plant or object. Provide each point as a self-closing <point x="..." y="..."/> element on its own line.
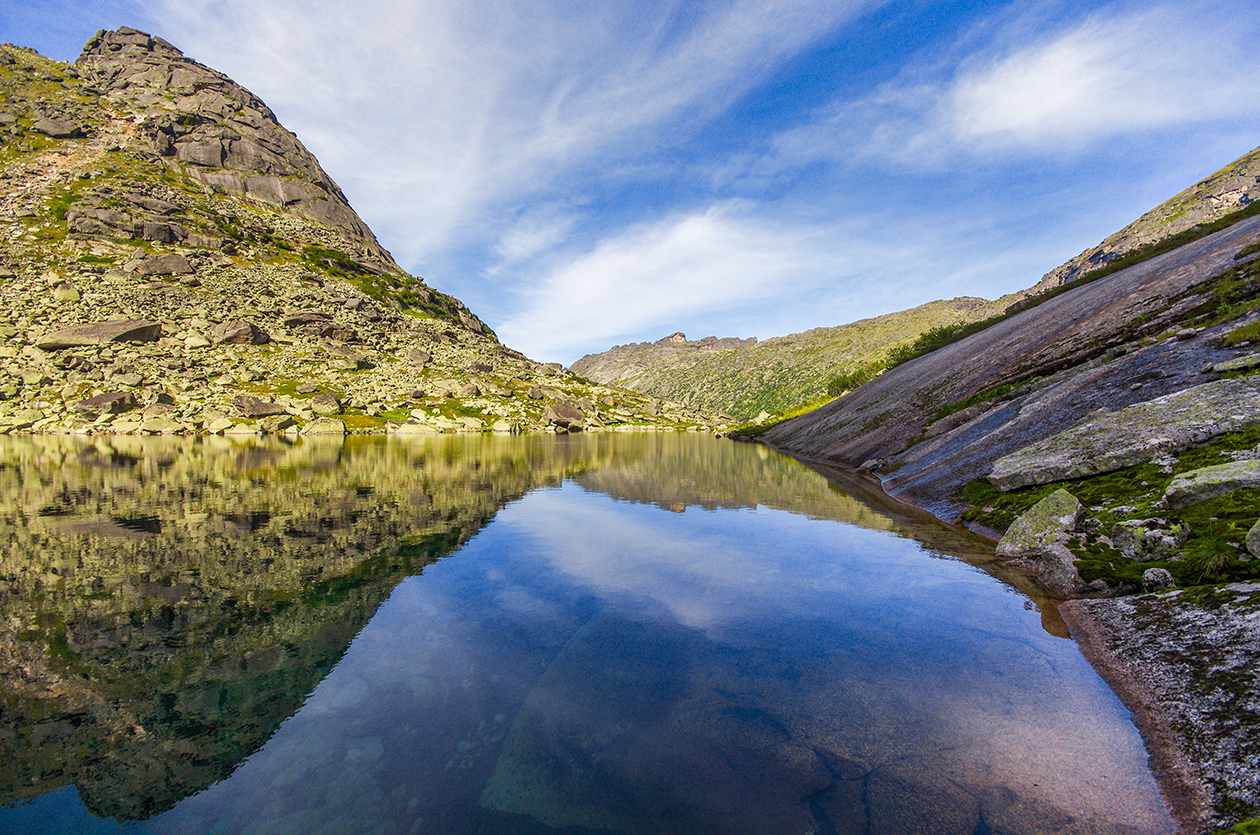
<point x="238" y="332"/>
<point x="1051" y="520"/>
<point x="326" y="404"/>
<point x="59" y="128"/>
<point x="100" y="333"/>
<point x="1238" y="364"/>
<point x="325" y="426"/>
<point x="1039" y="537"/>
<point x="255" y="407"/>
<point x="1211" y="482"/>
<point x="564" y="414"/>
<point x="171" y="263"/>
<point x="1253" y="540"/>
<point x="111" y="402"/>
<point x="1149" y="540"/>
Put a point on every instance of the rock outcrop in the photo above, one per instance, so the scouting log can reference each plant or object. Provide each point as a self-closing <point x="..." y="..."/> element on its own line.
<point x="161" y="234"/>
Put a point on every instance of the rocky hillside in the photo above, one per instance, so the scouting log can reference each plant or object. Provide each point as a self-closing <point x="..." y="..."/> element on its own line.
<point x="173" y="260"/>
<point x="745" y="378"/>
<point x="1232" y="188"/>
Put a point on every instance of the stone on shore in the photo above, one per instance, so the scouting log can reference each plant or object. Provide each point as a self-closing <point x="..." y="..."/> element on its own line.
<point x="325" y="426"/>
<point x="109" y="403"/>
<point x="563" y="414"/>
<point x="1149" y="540"/>
<point x="1037" y="540"/>
<point x="1211" y="482"/>
<point x="1108" y="441"/>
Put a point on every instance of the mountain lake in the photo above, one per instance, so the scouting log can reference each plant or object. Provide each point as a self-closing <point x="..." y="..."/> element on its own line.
<point x="592" y="633"/>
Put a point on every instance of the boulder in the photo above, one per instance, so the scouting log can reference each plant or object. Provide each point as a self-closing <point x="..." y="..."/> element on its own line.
<point x="1243" y="363"/>
<point x="238" y="332"/>
<point x="1051" y="520"/>
<point x="416" y="356"/>
<point x="99" y="333"/>
<point x="326" y="404"/>
<point x="1149" y="540"/>
<point x="255" y="407"/>
<point x="1157" y="579"/>
<point x="59" y="128"/>
<point x="1108" y="441"/>
<point x="1211" y="482"/>
<point x="171" y="263"/>
<point x="325" y="426"/>
<point x="563" y="414"/>
<point x="1038" y="537"/>
<point x="111" y="403"/>
<point x="469" y="390"/>
<point x="1253" y="540"/>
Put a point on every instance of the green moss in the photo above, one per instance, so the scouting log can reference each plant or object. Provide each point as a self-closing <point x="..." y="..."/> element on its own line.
<point x="1247" y="333"/>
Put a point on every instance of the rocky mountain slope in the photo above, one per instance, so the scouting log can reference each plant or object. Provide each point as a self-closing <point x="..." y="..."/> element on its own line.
<point x="173" y="260"/>
<point x="1110" y="436"/>
<point x="744" y="378"/>
<point x="1232" y="188"/>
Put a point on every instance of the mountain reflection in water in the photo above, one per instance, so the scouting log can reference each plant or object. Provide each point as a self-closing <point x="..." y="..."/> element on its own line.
<point x="210" y="635"/>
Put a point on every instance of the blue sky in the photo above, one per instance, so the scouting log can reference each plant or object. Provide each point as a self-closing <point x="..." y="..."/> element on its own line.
<point x="587" y="173"/>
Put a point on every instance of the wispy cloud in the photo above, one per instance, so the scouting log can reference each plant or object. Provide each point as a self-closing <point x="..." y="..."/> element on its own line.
<point x="1119" y="71"/>
<point x="734" y="270"/>
<point x="430" y="113"/>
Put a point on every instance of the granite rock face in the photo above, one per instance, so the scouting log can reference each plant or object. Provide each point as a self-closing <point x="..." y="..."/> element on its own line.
<point x="1109" y="441"/>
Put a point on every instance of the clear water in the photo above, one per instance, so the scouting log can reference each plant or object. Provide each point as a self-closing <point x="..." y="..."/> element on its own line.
<point x="633" y="634"/>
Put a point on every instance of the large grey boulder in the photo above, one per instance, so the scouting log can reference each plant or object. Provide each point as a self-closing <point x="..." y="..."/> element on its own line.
<point x="1211" y="482"/>
<point x="59" y="128"/>
<point x="1050" y="520"/>
<point x="99" y="333"/>
<point x="1253" y="540"/>
<point x="237" y="332"/>
<point x="563" y="414"/>
<point x="326" y="404"/>
<point x="1108" y="441"/>
<point x="325" y="426"/>
<point x="111" y="402"/>
<point x="171" y="263"/>
<point x="255" y="407"/>
<point x="1036" y="541"/>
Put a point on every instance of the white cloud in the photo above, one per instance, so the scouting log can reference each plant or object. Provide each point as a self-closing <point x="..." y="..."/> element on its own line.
<point x="428" y="113"/>
<point x="1115" y="73"/>
<point x="665" y="272"/>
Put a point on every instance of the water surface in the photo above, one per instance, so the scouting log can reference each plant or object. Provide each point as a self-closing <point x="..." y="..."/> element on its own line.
<point x="636" y="634"/>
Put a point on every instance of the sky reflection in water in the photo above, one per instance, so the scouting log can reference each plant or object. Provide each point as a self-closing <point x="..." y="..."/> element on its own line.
<point x="610" y="665"/>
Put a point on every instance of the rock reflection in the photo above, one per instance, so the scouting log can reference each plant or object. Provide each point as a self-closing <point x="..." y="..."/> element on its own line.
<point x="168" y="602"/>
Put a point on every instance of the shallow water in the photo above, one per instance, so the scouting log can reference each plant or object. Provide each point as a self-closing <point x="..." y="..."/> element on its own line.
<point x="637" y="634"/>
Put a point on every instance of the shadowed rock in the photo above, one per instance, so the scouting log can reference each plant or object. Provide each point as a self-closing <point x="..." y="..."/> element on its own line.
<point x="256" y="407"/>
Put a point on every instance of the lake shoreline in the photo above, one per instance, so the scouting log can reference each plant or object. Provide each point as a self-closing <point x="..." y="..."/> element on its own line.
<point x="1098" y="635"/>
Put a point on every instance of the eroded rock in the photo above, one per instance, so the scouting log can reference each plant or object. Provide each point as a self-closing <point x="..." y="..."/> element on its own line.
<point x="99" y="333"/>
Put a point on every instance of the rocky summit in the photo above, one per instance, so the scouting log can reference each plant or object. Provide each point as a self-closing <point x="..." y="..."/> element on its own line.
<point x="173" y="260"/>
